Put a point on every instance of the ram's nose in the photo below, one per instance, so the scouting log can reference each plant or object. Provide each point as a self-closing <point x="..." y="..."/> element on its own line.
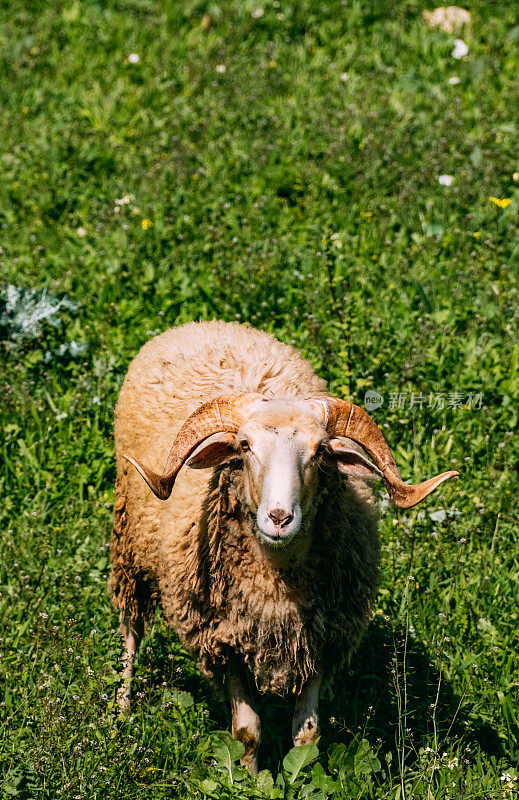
<point x="280" y="517"/>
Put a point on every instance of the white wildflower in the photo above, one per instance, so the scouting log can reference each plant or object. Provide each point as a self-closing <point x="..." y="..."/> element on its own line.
<point x="134" y="58"/>
<point x="124" y="201"/>
<point x="81" y="232"/>
<point x="454" y="80"/>
<point x="221" y="68"/>
<point x="257" y="12"/>
<point x="445" y="180"/>
<point x="508" y="780"/>
<point x="460" y="49"/>
<point x="345" y="76"/>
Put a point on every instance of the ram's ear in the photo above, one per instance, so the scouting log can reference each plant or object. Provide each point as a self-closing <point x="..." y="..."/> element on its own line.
<point x="215" y="450"/>
<point x="350" y="462"/>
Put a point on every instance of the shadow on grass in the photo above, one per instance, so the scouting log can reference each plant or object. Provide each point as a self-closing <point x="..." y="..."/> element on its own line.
<point x="361" y="701"/>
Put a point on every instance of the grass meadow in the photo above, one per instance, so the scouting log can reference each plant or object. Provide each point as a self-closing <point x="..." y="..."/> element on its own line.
<point x="276" y="163"/>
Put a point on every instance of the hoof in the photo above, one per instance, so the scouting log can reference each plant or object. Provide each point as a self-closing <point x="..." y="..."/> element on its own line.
<point x="250" y="741"/>
<point x="251" y="762"/>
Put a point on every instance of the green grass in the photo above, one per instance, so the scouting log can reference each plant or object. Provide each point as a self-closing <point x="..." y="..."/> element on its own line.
<point x="282" y="195"/>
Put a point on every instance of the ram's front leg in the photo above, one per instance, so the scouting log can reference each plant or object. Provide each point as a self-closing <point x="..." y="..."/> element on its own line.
<point x="246" y="725"/>
<point x="305" y="723"/>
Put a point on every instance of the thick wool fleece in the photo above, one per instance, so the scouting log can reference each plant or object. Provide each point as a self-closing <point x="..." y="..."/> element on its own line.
<point x="197" y="553"/>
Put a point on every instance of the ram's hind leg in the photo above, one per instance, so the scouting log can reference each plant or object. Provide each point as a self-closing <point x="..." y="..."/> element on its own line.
<point x="131" y="594"/>
<point x="132" y="632"/>
<point x="135" y="601"/>
<point x="246" y="725"/>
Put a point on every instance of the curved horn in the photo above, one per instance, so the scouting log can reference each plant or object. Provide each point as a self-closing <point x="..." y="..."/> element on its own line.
<point x="225" y="413"/>
<point x="346" y="419"/>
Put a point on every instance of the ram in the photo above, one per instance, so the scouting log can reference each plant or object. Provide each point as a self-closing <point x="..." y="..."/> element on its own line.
<point x="265" y="557"/>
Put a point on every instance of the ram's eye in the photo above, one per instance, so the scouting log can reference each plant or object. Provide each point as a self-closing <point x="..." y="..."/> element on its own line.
<point x="244" y="446"/>
<point x="318" y="453"/>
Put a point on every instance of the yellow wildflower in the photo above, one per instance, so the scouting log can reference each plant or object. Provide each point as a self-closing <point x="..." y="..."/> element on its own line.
<point x="501" y="203"/>
<point x="146" y="223"/>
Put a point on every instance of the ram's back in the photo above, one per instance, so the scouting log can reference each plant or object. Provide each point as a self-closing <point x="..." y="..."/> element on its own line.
<point x="171" y="376"/>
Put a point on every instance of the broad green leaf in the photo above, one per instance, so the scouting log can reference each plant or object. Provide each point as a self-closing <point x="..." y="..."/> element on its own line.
<point x="208" y="785"/>
<point x="226" y="751"/>
<point x="366" y="762"/>
<point x="265" y="782"/>
<point x="298" y="758"/>
<point x="183" y="699"/>
<point x="321" y="780"/>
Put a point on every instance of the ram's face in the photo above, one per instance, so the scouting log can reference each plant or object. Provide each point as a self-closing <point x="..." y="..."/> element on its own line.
<point x="281" y="454"/>
<point x="282" y="445"/>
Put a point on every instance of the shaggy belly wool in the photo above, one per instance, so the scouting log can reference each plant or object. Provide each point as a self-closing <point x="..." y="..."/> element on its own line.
<point x="287" y="624"/>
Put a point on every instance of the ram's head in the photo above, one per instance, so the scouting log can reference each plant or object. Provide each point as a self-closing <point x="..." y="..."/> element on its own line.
<point x="282" y="443"/>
